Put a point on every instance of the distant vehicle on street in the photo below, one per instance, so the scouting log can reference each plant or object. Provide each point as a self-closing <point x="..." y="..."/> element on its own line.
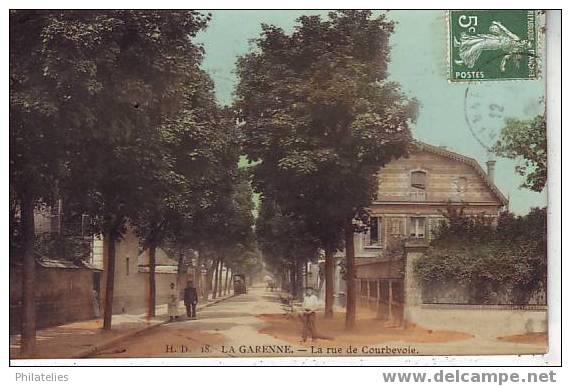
<point x="239" y="284"/>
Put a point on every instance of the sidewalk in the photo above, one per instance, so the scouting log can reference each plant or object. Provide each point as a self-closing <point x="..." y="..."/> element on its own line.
<point x="82" y="339"/>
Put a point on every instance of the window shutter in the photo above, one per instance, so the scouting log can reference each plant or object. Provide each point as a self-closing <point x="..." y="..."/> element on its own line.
<point x="424" y="227"/>
<point x="429" y="228"/>
<point x="409" y="230"/>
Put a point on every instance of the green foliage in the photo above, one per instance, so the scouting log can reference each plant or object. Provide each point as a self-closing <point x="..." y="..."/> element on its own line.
<point x="58" y="247"/>
<point x="199" y="149"/>
<point x="320" y="118"/>
<point x="283" y="238"/>
<point x="88" y="92"/>
<point x="526" y="140"/>
<point x="472" y="251"/>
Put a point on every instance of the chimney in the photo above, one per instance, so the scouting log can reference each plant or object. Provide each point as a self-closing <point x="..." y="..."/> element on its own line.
<point x="491" y="164"/>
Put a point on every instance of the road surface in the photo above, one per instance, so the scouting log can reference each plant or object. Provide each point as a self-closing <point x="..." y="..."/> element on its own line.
<point x="227" y="329"/>
<point x="233" y="328"/>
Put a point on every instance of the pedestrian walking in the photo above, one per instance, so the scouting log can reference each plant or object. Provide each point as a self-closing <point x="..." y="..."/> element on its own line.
<point x="190" y="300"/>
<point x="309" y="306"/>
<point x="173" y="303"/>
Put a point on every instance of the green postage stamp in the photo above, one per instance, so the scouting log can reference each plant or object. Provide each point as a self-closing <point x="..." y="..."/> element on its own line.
<point x="493" y="45"/>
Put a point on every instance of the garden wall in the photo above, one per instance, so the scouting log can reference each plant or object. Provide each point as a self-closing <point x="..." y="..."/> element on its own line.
<point x="63" y="295"/>
<point x="483" y="320"/>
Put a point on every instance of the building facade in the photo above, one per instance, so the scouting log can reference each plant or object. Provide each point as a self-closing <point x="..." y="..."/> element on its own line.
<point x="414" y="194"/>
<point x="131" y="288"/>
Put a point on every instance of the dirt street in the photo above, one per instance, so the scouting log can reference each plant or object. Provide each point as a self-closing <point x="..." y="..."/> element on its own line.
<point x="255" y="324"/>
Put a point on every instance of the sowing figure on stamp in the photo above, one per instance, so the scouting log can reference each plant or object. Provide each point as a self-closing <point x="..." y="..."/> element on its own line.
<point x="500" y="38"/>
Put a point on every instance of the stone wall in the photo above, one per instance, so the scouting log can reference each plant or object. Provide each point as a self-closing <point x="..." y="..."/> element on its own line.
<point x="62" y="296"/>
<point x="483" y="319"/>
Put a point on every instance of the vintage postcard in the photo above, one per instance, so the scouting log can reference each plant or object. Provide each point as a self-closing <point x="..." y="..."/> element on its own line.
<point x="294" y="183"/>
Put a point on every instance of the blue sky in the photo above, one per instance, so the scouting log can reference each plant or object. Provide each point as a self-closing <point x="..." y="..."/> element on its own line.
<point x="419" y="64"/>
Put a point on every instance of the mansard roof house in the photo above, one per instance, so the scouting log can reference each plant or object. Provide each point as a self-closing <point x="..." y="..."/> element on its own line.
<point x="413" y="196"/>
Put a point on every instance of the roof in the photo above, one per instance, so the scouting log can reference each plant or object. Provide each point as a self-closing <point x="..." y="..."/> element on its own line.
<point x="159" y="269"/>
<point x="65" y="264"/>
<point x="161" y="258"/>
<point x="466" y="160"/>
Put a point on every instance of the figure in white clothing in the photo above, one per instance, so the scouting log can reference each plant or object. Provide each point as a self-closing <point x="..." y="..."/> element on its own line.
<point x="309" y="306"/>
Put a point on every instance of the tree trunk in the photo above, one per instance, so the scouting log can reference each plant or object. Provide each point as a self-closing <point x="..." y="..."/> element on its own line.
<point x="198" y="275"/>
<point x="293" y="278"/>
<point x="306" y="269"/>
<point x="350" y="275"/>
<point x="300" y="280"/>
<point x="208" y="281"/>
<point x="109" y="284"/>
<point x="28" y="332"/>
<point x="182" y="269"/>
<point x="215" y="289"/>
<point x="226" y="281"/>
<point x="152" y="281"/>
<point x="329" y="282"/>
<point x="220" y="279"/>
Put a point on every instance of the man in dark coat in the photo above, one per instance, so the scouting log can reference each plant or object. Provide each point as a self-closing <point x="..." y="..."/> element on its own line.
<point x="190" y="300"/>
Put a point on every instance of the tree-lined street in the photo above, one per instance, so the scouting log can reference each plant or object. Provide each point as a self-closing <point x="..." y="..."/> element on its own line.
<point x="116" y="130"/>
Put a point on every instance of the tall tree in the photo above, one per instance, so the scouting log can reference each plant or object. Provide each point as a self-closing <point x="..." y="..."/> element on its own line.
<point x="526" y="140"/>
<point x="107" y="80"/>
<point x="220" y="226"/>
<point x="321" y="117"/>
<point x="193" y="143"/>
<point x="37" y="147"/>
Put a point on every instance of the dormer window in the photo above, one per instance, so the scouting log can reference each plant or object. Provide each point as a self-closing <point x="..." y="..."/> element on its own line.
<point x="418" y="179"/>
<point x="461" y="184"/>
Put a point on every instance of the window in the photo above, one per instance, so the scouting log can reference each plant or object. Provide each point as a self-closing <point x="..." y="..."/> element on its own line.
<point x="461" y="184"/>
<point x="417" y="227"/>
<point x="375" y="227"/>
<point x="396" y="226"/>
<point x="418" y="179"/>
<point x="127" y="271"/>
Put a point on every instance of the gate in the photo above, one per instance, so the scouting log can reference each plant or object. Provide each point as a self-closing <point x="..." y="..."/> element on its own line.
<point x="386" y="296"/>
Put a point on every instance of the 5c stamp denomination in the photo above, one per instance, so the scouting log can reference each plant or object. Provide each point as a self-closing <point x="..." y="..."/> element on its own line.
<point x="493" y="45"/>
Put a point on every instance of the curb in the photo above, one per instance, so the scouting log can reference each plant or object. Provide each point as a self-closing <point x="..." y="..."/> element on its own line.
<point x="100" y="347"/>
